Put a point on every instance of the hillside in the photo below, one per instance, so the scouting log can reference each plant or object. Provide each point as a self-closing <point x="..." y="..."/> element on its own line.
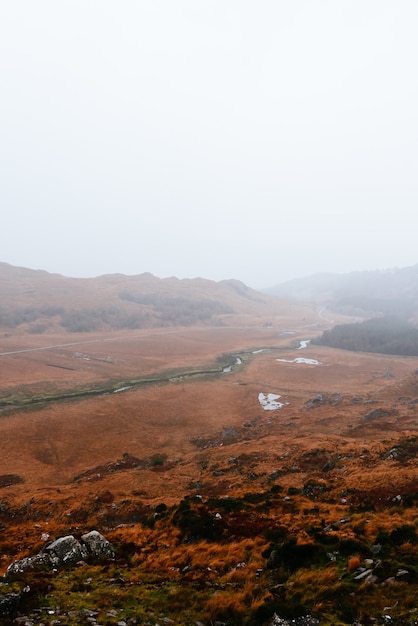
<point x="36" y="302"/>
<point x="366" y="294"/>
<point x="239" y="470"/>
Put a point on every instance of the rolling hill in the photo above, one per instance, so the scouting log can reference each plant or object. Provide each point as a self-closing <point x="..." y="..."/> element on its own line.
<point x="37" y="302"/>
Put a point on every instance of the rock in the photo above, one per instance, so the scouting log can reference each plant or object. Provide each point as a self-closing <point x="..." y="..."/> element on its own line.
<point x="66" y="550"/>
<point x="9" y="603"/>
<point x="88" y="613"/>
<point x="274" y="560"/>
<point x="376" y="414"/>
<point x="376" y="549"/>
<point x="363" y="574"/>
<point x="318" y="399"/>
<point x="97" y="545"/>
<point x="306" y="620"/>
<point x="30" y="563"/>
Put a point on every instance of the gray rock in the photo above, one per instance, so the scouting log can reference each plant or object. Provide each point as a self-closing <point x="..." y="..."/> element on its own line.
<point x="376" y="549"/>
<point x="376" y="414"/>
<point x="306" y="620"/>
<point x="29" y="563"/>
<point x="98" y="546"/>
<point x="8" y="603"/>
<point x="363" y="574"/>
<point x="66" y="550"/>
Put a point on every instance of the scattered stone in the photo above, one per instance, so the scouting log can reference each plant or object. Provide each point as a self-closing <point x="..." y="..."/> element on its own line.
<point x="65" y="551"/>
<point x="317" y="400"/>
<point x="28" y="564"/>
<point x="88" y="613"/>
<point x="9" y="603"/>
<point x="363" y="574"/>
<point x="376" y="414"/>
<point x="306" y="620"/>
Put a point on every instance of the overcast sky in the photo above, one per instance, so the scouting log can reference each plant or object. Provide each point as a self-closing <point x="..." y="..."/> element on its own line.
<point x="253" y="139"/>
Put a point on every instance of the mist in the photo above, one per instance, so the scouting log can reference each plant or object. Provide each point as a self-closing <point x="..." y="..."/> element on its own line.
<point x="256" y="141"/>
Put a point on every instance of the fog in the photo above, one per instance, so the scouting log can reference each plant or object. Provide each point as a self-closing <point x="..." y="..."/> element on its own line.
<point x="225" y="139"/>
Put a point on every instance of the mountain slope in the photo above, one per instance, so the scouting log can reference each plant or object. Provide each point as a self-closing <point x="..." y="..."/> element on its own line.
<point x="387" y="292"/>
<point x="37" y="301"/>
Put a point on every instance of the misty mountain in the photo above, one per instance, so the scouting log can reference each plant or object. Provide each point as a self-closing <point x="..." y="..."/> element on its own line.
<point x="367" y="294"/>
<point x="39" y="301"/>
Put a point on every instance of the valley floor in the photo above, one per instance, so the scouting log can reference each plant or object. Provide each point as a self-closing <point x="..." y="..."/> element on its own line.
<point x="220" y="508"/>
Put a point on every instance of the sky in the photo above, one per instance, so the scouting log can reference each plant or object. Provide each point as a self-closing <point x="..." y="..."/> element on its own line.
<point x="260" y="140"/>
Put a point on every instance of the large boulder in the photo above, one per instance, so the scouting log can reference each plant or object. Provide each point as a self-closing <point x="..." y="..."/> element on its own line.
<point x="29" y="563"/>
<point x="65" y="551"/>
<point x="98" y="546"/>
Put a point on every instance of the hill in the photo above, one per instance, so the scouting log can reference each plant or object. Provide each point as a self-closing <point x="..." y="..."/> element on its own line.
<point x="366" y="294"/>
<point x="36" y="301"/>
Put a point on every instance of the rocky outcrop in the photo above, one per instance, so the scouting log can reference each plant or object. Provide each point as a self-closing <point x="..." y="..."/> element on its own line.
<point x="65" y="551"/>
<point x="9" y="603"/>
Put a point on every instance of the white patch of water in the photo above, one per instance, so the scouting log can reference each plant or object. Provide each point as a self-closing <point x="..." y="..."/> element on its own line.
<point x="269" y="401"/>
<point x="301" y="360"/>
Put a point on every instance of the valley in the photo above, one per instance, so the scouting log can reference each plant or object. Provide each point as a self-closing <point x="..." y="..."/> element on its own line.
<point x="238" y="470"/>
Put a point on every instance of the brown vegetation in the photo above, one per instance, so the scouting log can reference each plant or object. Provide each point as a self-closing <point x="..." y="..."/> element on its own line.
<point x="197" y="485"/>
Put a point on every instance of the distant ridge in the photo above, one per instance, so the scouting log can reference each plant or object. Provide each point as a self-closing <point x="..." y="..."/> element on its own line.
<point x="37" y="301"/>
<point x="387" y="292"/>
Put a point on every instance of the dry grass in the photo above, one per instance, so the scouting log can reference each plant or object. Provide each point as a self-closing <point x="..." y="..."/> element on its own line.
<point x="308" y="466"/>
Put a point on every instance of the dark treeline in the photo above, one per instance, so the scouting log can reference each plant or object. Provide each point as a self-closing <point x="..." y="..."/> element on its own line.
<point x="179" y="310"/>
<point x="10" y="318"/>
<point x="388" y="335"/>
<point x="152" y="311"/>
